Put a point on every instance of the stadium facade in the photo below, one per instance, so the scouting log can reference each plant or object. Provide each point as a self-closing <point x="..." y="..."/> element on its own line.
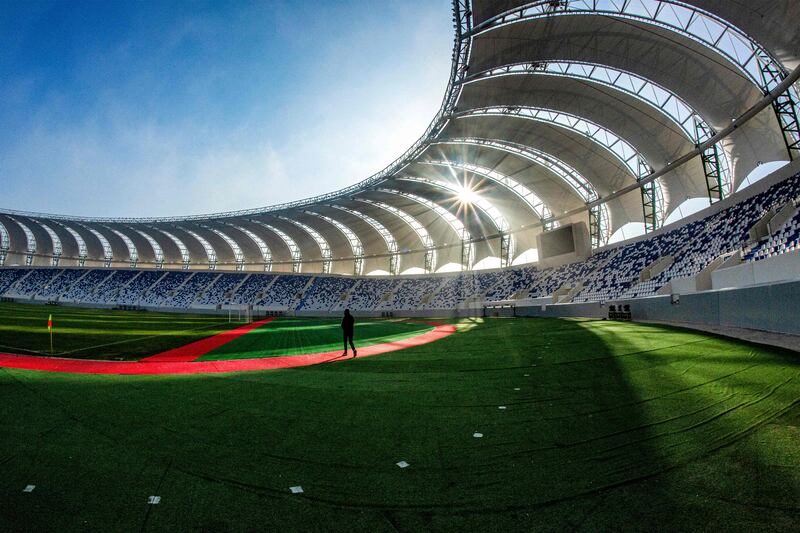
<point x="563" y="122"/>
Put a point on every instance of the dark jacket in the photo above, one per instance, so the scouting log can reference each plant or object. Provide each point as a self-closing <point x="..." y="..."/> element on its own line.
<point x="347" y="324"/>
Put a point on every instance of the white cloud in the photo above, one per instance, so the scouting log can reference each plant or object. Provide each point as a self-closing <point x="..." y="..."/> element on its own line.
<point x="352" y="117"/>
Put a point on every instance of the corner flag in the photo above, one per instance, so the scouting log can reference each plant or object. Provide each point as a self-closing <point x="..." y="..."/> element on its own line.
<point x="50" y="329"/>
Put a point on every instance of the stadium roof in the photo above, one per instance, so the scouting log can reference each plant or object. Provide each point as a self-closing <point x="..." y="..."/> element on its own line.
<point x="557" y="111"/>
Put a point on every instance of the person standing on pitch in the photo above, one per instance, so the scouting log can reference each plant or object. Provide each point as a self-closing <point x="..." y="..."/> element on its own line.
<point x="347" y="329"/>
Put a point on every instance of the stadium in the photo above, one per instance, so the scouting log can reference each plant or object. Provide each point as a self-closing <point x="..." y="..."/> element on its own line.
<point x="576" y="302"/>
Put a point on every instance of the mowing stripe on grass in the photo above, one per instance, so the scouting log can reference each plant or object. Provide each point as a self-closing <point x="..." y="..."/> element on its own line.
<point x="192" y="351"/>
<point x="55" y="364"/>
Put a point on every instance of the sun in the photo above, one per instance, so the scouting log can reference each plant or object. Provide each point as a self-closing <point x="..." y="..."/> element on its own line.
<point x="467" y="195"/>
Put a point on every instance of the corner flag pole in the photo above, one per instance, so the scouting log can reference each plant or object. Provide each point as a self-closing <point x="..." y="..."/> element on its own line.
<point x="50" y="329"/>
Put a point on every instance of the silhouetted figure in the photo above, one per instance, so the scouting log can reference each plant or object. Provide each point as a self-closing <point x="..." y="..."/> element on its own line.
<point x="347" y="329"/>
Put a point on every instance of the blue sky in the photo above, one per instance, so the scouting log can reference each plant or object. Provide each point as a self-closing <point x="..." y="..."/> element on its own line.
<point x="145" y="108"/>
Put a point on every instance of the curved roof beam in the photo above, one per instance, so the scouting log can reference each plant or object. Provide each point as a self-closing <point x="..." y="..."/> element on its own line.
<point x="666" y="102"/>
<point x="322" y="242"/>
<point x="211" y="253"/>
<point x="5" y="243"/>
<point x="133" y="253"/>
<point x="386" y="235"/>
<point x="294" y="250"/>
<point x="453" y="221"/>
<point x="266" y="253"/>
<point x="158" y="252"/>
<point x="185" y="255"/>
<point x="83" y="251"/>
<point x="754" y="61"/>
<point x="702" y="27"/>
<point x="413" y="223"/>
<point x="481" y="203"/>
<point x="618" y="147"/>
<point x="579" y="184"/>
<point x="5" y="240"/>
<point x="55" y="240"/>
<point x="528" y="197"/>
<point x="108" y="253"/>
<point x="238" y="255"/>
<point x="355" y="243"/>
<point x="30" y="238"/>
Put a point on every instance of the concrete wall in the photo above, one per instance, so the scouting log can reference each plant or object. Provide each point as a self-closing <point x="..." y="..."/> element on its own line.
<point x="774" y="307"/>
<point x="775" y="269"/>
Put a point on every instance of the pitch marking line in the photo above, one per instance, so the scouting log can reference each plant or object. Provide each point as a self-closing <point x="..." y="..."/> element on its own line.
<point x="148" y="366"/>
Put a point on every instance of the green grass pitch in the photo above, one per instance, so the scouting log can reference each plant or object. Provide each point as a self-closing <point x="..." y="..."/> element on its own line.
<point x="100" y="334"/>
<point x="293" y="336"/>
<point x="605" y="426"/>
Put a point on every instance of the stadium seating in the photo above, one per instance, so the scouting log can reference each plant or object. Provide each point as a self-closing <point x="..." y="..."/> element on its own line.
<point x="370" y="293"/>
<point x="108" y="291"/>
<point x="612" y="273"/>
<point x="162" y="292"/>
<point x="9" y="277"/>
<point x="253" y="288"/>
<point x="82" y="290"/>
<point x="129" y="295"/>
<point x="221" y="291"/>
<point x="59" y="284"/>
<point x="325" y="292"/>
<point x="187" y="293"/>
<point x="29" y="285"/>
<point x="785" y="240"/>
<point x="284" y="291"/>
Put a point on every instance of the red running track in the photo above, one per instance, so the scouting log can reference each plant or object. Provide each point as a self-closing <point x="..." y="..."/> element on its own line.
<point x="148" y="366"/>
<point x="195" y="350"/>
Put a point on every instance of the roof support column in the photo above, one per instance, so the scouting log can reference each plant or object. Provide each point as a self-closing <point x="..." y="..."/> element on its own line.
<point x="785" y="105"/>
<point x="649" y="199"/>
<point x="467" y="250"/>
<point x="786" y="109"/>
<point x="595" y="230"/>
<point x="505" y="249"/>
<point x="710" y="157"/>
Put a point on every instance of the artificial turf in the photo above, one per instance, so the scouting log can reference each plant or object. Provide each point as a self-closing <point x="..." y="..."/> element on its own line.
<point x="99" y="333"/>
<point x="294" y="336"/>
<point x="606" y="426"/>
